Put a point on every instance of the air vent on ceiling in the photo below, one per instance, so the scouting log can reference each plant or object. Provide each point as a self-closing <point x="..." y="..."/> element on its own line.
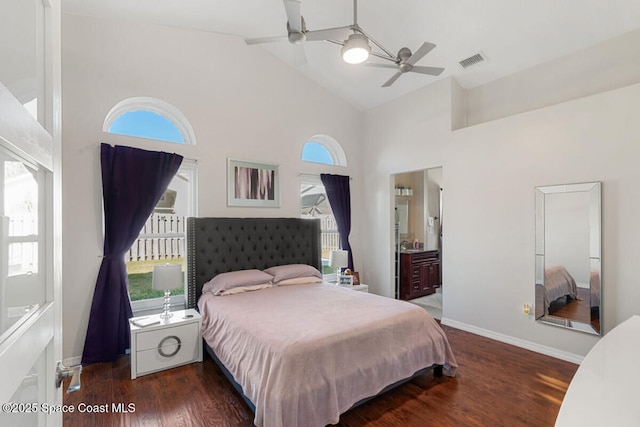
<point x="472" y="60"/>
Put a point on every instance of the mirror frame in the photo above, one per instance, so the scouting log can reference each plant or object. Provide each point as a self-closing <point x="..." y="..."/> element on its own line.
<point x="593" y="190"/>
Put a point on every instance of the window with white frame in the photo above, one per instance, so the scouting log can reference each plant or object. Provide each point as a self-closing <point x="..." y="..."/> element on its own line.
<point x="313" y="197"/>
<point x="162" y="240"/>
<point x="163" y="237"/>
<point x="314" y="204"/>
<point x="151" y="118"/>
<point x="323" y="149"/>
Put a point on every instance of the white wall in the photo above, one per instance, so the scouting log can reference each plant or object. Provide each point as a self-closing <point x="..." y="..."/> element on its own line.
<point x="242" y="103"/>
<point x="403" y="135"/>
<point x="606" y="66"/>
<point x="489" y="175"/>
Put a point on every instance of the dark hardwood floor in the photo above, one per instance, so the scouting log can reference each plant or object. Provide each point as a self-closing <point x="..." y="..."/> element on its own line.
<point x="496" y="385"/>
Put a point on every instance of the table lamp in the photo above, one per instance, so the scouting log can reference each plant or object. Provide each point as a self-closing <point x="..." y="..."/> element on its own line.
<point x="165" y="278"/>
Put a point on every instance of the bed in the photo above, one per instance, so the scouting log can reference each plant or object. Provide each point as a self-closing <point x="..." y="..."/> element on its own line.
<point x="302" y="354"/>
<point x="558" y="283"/>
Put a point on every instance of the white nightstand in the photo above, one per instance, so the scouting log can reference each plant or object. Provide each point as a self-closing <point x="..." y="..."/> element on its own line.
<point x="165" y="344"/>
<point x="361" y="287"/>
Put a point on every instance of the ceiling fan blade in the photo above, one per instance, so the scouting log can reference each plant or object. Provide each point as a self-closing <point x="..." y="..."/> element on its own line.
<point x="260" y="40"/>
<point x="299" y="56"/>
<point x="338" y="33"/>
<point x="433" y="71"/>
<point x="379" y="65"/>
<point x="392" y="79"/>
<point x="422" y="51"/>
<point x="294" y="17"/>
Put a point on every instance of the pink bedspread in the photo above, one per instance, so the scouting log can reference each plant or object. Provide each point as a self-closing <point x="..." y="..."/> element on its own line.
<point x="304" y="354"/>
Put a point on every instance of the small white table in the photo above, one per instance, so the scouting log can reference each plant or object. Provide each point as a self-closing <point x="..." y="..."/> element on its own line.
<point x="604" y="390"/>
<point x="163" y="344"/>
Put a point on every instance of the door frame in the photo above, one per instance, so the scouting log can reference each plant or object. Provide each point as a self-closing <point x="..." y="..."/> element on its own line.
<point x="40" y="142"/>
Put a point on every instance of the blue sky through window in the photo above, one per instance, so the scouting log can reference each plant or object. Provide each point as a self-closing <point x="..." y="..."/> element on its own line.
<point x="315" y="152"/>
<point x="146" y="124"/>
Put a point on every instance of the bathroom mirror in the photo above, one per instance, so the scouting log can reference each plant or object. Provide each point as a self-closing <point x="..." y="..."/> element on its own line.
<point x="568" y="282"/>
<point x="402" y="212"/>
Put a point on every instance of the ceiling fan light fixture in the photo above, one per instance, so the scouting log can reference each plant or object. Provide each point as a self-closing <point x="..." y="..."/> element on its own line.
<point x="356" y="49"/>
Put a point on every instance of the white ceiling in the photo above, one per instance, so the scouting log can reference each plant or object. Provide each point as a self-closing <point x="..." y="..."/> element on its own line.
<point x="512" y="34"/>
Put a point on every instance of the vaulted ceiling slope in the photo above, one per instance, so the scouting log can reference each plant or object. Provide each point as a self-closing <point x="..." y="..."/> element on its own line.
<point x="512" y="35"/>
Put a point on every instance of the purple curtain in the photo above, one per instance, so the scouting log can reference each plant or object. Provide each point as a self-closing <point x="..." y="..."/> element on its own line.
<point x="133" y="181"/>
<point x="339" y="195"/>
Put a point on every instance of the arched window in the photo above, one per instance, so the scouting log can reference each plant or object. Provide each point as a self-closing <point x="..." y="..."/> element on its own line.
<point x="151" y="118"/>
<point x="146" y="124"/>
<point x="323" y="149"/>
<point x="313" y="197"/>
<point x="316" y="153"/>
<point x="163" y="236"/>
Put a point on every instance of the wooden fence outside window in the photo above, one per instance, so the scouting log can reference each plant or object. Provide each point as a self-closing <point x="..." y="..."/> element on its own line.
<point x="162" y="237"/>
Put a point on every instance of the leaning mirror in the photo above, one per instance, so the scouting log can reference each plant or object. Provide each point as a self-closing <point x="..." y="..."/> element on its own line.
<point x="568" y="273"/>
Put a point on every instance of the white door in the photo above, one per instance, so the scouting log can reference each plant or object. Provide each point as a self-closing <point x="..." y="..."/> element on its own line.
<point x="30" y="222"/>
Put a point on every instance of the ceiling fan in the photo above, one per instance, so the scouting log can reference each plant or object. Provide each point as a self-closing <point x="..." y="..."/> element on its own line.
<point x="297" y="33"/>
<point x="405" y="62"/>
<point x="354" y="41"/>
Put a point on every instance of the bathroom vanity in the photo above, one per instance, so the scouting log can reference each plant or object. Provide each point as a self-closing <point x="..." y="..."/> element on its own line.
<point x="419" y="273"/>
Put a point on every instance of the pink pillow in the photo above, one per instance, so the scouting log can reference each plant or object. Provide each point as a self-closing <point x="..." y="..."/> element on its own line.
<point x="223" y="283"/>
<point x="292" y="271"/>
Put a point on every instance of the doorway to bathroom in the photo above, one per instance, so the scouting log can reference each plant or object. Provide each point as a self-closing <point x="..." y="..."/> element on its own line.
<point x="417" y="224"/>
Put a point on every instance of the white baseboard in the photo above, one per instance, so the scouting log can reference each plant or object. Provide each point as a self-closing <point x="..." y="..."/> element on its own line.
<point x="542" y="349"/>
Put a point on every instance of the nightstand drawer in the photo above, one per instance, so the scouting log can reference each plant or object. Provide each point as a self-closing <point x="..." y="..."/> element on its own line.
<point x="171" y="350"/>
<point x="152" y="339"/>
<point x="165" y="343"/>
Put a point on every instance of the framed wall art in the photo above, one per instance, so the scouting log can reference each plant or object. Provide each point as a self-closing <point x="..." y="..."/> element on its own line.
<point x="252" y="184"/>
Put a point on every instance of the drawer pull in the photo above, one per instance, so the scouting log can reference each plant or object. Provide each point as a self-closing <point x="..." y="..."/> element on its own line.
<point x="162" y="353"/>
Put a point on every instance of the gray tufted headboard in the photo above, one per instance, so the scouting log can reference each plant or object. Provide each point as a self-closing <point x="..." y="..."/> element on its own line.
<point x="219" y="245"/>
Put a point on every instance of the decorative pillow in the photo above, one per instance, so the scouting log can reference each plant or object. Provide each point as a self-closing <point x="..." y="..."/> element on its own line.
<point x="224" y="282"/>
<point x="299" y="281"/>
<point x="292" y="271"/>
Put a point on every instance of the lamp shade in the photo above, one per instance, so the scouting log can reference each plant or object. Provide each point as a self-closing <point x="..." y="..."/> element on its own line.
<point x="167" y="276"/>
<point x="339" y="259"/>
<point x="356" y="49"/>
